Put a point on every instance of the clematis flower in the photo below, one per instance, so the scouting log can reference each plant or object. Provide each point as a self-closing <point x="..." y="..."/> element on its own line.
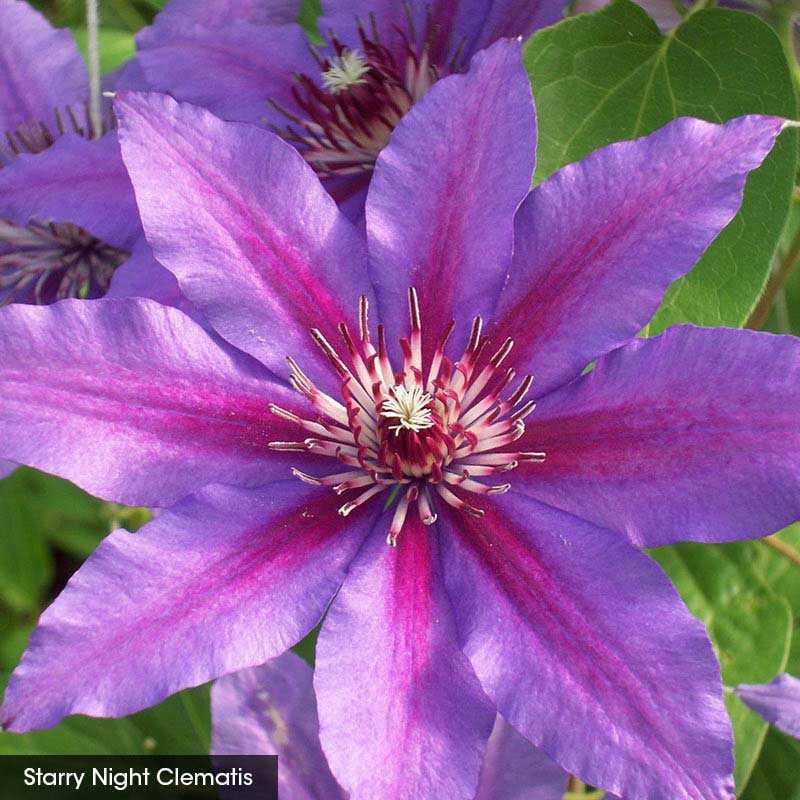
<point x="68" y="217"/>
<point x="271" y="710"/>
<point x="339" y="101"/>
<point x="778" y="702"/>
<point x="516" y="584"/>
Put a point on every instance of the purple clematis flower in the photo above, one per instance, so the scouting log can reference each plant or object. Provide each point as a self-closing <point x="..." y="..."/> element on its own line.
<point x="778" y="702"/>
<point x="271" y="710"/>
<point x="337" y="102"/>
<point x="68" y="217"/>
<point x="533" y="600"/>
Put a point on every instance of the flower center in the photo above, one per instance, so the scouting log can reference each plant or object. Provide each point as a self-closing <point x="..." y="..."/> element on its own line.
<point x="429" y="434"/>
<point x="36" y="136"/>
<point x="44" y="262"/>
<point x="411" y="409"/>
<point x="365" y="91"/>
<point x="345" y="71"/>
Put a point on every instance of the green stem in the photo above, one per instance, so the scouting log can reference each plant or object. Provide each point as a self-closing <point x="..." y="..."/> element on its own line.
<point x="777" y="280"/>
<point x="784" y="548"/>
<point x="784" y="26"/>
<point x="93" y="36"/>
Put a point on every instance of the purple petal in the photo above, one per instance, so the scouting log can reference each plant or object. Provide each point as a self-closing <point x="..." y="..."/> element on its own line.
<point x="778" y="702"/>
<point x="182" y="13"/>
<point x="226" y="580"/>
<point x="402" y="714"/>
<point x="134" y="402"/>
<point x="232" y="69"/>
<point x="588" y="651"/>
<point x="442" y="199"/>
<point x="341" y="18"/>
<point x="6" y="468"/>
<point x="236" y="214"/>
<point x="482" y="22"/>
<point x="691" y="435"/>
<point x="271" y="710"/>
<point x="41" y="67"/>
<point x="598" y="243"/>
<point x="78" y="181"/>
<point x="142" y="276"/>
<point x="513" y="769"/>
<point x="469" y="24"/>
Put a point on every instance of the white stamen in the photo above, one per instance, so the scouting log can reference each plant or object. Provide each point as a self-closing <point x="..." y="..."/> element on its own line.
<point x="345" y="71"/>
<point x="409" y="407"/>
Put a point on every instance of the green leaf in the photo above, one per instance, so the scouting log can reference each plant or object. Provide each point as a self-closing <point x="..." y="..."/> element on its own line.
<point x="116" y="47"/>
<point x="13" y="640"/>
<point x="309" y="11"/>
<point x="181" y="725"/>
<point x="63" y="514"/>
<point x="750" y="626"/>
<point x="26" y="566"/>
<point x="776" y="570"/>
<point x="609" y="76"/>
<point x="777" y="774"/>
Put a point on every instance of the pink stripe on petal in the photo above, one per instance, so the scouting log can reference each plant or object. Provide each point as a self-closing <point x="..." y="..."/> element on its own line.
<point x="588" y="651"/>
<point x="401" y="712"/>
<point x="691" y="435"/>
<point x="597" y="245"/>
<point x="224" y="581"/>
<point x="236" y="214"/>
<point x="441" y="203"/>
<point x="135" y="402"/>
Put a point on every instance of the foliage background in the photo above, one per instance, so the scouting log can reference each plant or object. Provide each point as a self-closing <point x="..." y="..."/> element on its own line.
<point x="597" y="78"/>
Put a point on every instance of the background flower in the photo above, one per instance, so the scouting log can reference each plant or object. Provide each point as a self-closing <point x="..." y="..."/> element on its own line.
<point x="68" y="218"/>
<point x="253" y="63"/>
<point x="778" y="702"/>
<point x="271" y="710"/>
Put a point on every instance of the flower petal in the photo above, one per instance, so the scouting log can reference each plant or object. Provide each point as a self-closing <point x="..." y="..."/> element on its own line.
<point x="342" y="18"/>
<point x="236" y="214"/>
<point x="78" y="181"/>
<point x="470" y="25"/>
<point x="182" y="13"/>
<point x="513" y="769"/>
<point x="778" y="702"/>
<point x="142" y="276"/>
<point x="481" y="22"/>
<point x="691" y="435"/>
<point x="402" y="714"/>
<point x="226" y="580"/>
<point x="442" y="199"/>
<point x="588" y="651"/>
<point x="41" y="66"/>
<point x="6" y="468"/>
<point x="134" y="402"/>
<point x="597" y="245"/>
<point x="272" y="710"/>
<point x="232" y="69"/>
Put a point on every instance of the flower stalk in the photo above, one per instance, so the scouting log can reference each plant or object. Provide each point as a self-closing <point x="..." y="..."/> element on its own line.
<point x="759" y="315"/>
<point x="93" y="28"/>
